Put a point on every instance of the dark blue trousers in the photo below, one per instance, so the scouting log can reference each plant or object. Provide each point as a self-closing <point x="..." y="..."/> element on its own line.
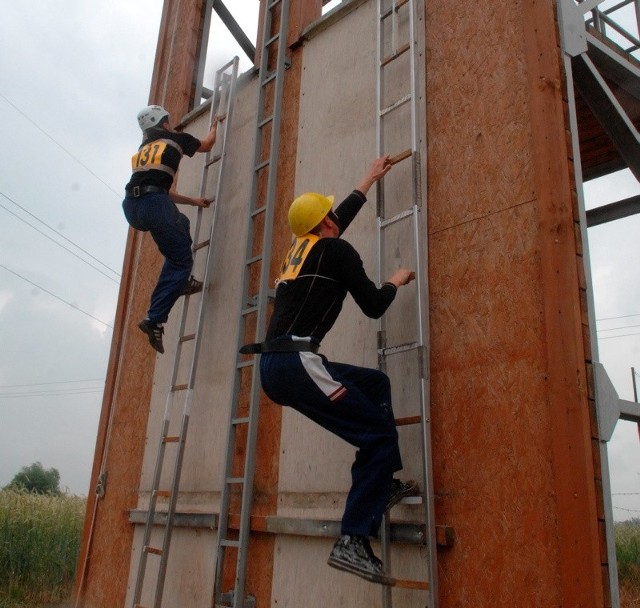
<point x="158" y="214"/>
<point x="353" y="403"/>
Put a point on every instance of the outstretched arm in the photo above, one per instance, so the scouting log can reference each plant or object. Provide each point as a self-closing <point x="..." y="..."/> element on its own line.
<point x="181" y="199"/>
<point x="208" y="142"/>
<point x="378" y="168"/>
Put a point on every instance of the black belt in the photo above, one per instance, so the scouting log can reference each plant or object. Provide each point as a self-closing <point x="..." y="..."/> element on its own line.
<point x="138" y="191"/>
<point x="280" y="346"/>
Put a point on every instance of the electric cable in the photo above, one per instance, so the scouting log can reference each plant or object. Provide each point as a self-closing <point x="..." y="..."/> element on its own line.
<point x="59" y="244"/>
<point x="84" y="312"/>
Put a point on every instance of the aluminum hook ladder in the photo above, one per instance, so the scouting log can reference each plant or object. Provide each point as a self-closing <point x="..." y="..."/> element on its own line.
<point x="403" y="344"/>
<point x="186" y="355"/>
<point x="244" y="412"/>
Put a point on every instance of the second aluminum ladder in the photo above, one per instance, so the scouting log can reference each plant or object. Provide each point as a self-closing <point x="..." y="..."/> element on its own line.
<point x="403" y="342"/>
<point x="244" y="414"/>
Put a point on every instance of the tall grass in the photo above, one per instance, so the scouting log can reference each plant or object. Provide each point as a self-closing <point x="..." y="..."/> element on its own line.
<point x="628" y="554"/>
<point x="39" y="544"/>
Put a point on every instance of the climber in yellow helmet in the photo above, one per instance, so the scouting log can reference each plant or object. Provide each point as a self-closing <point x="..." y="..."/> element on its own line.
<point x="316" y="275"/>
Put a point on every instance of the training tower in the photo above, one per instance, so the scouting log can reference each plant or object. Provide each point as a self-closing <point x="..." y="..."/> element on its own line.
<point x="206" y="494"/>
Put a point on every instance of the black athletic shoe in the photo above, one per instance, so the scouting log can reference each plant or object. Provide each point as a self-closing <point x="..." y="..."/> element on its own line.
<point x="354" y="554"/>
<point x="400" y="490"/>
<point x="154" y="331"/>
<point x="192" y="286"/>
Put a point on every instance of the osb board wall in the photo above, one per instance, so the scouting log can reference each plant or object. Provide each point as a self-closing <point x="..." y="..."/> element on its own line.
<point x="513" y="467"/>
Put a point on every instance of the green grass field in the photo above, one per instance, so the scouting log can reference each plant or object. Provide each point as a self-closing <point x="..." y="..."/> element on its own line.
<point x="39" y="544"/>
<point x="40" y="540"/>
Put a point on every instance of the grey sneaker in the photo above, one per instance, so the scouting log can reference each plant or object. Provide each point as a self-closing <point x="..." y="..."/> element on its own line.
<point x="400" y="490"/>
<point x="354" y="554"/>
<point x="154" y="331"/>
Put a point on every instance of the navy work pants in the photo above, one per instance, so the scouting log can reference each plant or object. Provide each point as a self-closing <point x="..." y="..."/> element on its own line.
<point x="158" y="214"/>
<point x="353" y="403"/>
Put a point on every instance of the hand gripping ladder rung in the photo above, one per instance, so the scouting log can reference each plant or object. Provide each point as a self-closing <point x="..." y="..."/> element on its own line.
<point x="397" y="51"/>
<point x="223" y="96"/>
<point x="259" y="231"/>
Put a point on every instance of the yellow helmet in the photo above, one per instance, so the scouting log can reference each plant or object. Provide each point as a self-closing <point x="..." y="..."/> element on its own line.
<point x="307" y="211"/>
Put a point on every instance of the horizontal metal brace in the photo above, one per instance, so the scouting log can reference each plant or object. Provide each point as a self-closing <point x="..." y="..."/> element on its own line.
<point x="401" y="532"/>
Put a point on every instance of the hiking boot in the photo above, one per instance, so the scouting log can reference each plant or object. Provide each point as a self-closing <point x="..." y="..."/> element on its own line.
<point x="192" y="286"/>
<point x="154" y="331"/>
<point x="400" y="490"/>
<point x="354" y="554"/>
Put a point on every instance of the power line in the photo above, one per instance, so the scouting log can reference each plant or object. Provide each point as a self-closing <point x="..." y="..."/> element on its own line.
<point x="617" y="328"/>
<point x="84" y="312"/>
<point x="57" y="232"/>
<point x="59" y="145"/>
<point x="60" y="244"/>
<point x="30" y="385"/>
<point x="62" y="393"/>
<point x="621" y="336"/>
<point x="620" y="317"/>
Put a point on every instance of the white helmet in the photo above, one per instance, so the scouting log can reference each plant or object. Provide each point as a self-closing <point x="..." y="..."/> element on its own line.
<point x="151" y="116"/>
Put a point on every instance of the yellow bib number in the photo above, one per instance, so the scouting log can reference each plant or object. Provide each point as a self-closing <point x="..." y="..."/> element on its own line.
<point x="296" y="255"/>
<point x="150" y="155"/>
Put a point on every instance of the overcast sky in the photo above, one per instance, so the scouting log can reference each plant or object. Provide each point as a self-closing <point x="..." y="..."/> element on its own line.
<point x="73" y="75"/>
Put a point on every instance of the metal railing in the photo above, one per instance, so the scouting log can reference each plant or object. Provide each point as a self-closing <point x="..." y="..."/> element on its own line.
<point x="618" y="22"/>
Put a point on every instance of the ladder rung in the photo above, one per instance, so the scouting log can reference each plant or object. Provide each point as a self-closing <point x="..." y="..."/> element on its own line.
<point x="171" y="439"/>
<point x="163" y="493"/>
<point x="262" y="165"/>
<point x="213" y="160"/>
<point x="268" y="79"/>
<point x="258" y="211"/>
<point x="396" y="218"/>
<point x="253" y="260"/>
<point x="400" y="348"/>
<point x="403" y="49"/>
<point x="138" y="606"/>
<point x="265" y="122"/>
<point x="153" y="550"/>
<point x="398" y="157"/>
<point x="222" y="117"/>
<point x="179" y="387"/>
<point x="389" y="11"/>
<point x="202" y="245"/>
<point x="273" y="39"/>
<point x="226" y="542"/>
<point x="235" y="480"/>
<point x="240" y="420"/>
<point x="407" y="420"/>
<point x="188" y="337"/>
<point x="245" y="363"/>
<point x="396" y="105"/>
<point x="249" y="310"/>
<point x="409" y="584"/>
